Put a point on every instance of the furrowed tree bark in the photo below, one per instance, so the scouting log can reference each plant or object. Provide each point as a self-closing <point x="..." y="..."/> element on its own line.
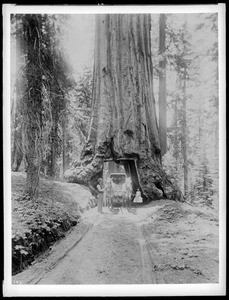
<point x="162" y="86"/>
<point x="33" y="101"/>
<point x="123" y="123"/>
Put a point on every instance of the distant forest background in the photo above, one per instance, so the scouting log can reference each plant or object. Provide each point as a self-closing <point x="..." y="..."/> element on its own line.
<point x="59" y="62"/>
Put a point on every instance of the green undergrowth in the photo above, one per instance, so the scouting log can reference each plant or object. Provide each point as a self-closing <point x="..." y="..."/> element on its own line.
<point x="40" y="222"/>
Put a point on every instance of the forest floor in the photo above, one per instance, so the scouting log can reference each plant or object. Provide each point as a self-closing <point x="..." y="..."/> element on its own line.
<point x="56" y="200"/>
<point x="161" y="242"/>
<point x="37" y="224"/>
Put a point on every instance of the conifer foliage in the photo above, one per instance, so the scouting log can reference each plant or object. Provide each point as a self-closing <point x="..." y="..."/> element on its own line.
<point x="51" y="107"/>
<point x="191" y="53"/>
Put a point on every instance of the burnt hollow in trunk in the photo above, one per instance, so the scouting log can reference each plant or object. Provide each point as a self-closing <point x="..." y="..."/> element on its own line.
<point x="159" y="186"/>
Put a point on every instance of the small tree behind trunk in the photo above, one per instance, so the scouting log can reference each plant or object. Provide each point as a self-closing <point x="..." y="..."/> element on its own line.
<point x="184" y="112"/>
<point x="16" y="108"/>
<point x="184" y="138"/>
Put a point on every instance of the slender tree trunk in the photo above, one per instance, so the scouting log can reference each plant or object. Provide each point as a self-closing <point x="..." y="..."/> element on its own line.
<point x="123" y="123"/>
<point x="184" y="137"/>
<point x="33" y="101"/>
<point x="184" y="121"/>
<point x="16" y="113"/>
<point x="176" y="148"/>
<point x="63" y="148"/>
<point x="55" y="101"/>
<point x="17" y="153"/>
<point x="53" y="145"/>
<point x="162" y="86"/>
<point x="216" y="146"/>
<point x="17" y="148"/>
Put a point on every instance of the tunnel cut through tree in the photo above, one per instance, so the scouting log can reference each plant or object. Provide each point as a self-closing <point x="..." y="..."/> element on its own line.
<point x="123" y="124"/>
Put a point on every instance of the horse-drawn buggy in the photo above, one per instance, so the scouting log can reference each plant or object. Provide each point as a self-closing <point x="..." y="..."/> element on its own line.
<point x="119" y="190"/>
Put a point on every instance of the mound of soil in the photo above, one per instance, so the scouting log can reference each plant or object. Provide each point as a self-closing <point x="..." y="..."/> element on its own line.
<point x="184" y="244"/>
<point x="38" y="223"/>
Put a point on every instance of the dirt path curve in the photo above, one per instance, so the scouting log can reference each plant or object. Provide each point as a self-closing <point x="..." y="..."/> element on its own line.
<point x="163" y="242"/>
<point x="112" y="252"/>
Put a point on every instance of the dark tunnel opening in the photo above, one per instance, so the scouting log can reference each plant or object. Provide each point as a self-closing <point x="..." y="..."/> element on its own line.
<point x="129" y="166"/>
<point x="159" y="186"/>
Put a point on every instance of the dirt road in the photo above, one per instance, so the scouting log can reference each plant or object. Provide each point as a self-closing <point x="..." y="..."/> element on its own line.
<point x="165" y="242"/>
<point x="111" y="253"/>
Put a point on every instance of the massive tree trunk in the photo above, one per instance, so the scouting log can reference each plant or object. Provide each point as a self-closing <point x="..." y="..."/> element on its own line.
<point x="123" y="122"/>
<point x="33" y="101"/>
<point x="162" y="86"/>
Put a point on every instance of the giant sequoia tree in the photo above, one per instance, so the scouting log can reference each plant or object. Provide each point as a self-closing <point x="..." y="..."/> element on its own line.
<point x="33" y="108"/>
<point x="162" y="85"/>
<point x="123" y="124"/>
